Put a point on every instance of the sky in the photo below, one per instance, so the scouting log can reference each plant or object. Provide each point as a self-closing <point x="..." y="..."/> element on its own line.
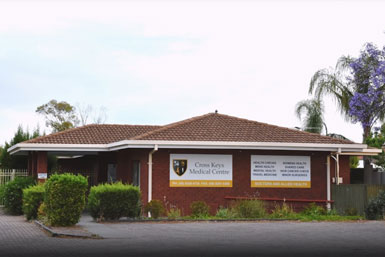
<point x="157" y="62"/>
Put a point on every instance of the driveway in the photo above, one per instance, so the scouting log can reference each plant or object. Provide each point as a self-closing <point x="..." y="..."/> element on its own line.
<point x="20" y="238"/>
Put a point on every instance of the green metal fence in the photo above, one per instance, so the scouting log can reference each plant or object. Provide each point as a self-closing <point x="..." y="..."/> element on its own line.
<point x="354" y="197"/>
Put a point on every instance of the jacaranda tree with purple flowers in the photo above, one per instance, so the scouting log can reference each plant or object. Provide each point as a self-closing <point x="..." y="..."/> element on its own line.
<point x="357" y="85"/>
<point x="367" y="105"/>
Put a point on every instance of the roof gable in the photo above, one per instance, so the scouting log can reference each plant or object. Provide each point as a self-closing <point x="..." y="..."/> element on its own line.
<point x="220" y="127"/>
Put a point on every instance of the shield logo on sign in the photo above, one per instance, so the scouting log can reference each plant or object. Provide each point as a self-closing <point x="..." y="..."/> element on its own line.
<point x="179" y="166"/>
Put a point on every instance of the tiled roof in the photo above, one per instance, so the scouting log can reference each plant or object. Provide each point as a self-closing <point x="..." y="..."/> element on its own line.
<point x="208" y="127"/>
<point x="219" y="127"/>
<point x="94" y="134"/>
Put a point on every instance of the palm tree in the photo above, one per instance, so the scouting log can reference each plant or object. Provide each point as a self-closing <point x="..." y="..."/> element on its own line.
<point x="313" y="109"/>
<point x="331" y="82"/>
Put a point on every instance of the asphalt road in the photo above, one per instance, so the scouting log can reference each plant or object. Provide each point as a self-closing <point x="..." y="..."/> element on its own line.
<point x="20" y="238"/>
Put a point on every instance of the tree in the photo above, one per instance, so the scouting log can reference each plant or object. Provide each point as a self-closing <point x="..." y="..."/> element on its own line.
<point x="13" y="161"/>
<point x="1" y="153"/>
<point x="313" y="110"/>
<point x="354" y="161"/>
<point x="377" y="139"/>
<point x="367" y="105"/>
<point x="87" y="111"/>
<point x="357" y="85"/>
<point x="59" y="115"/>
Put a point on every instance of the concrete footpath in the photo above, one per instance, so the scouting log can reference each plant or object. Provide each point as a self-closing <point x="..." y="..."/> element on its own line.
<point x="21" y="238"/>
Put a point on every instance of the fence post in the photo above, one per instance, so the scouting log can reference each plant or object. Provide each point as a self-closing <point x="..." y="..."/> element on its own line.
<point x="13" y="174"/>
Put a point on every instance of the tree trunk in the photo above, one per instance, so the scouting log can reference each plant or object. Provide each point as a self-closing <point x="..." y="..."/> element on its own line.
<point x="368" y="169"/>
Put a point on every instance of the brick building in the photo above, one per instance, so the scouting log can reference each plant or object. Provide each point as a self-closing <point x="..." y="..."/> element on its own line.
<point x="213" y="158"/>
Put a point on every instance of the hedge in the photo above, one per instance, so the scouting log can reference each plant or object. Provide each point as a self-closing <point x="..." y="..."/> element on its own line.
<point x="113" y="201"/>
<point x="65" y="198"/>
<point x="33" y="196"/>
<point x="13" y="194"/>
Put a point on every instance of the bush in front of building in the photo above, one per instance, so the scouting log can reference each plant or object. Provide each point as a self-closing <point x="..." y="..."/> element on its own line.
<point x="283" y="211"/>
<point x="224" y="213"/>
<point x="13" y="194"/>
<point x="174" y="213"/>
<point x="33" y="196"/>
<point x="155" y="208"/>
<point x="199" y="209"/>
<point x="42" y="213"/>
<point x="376" y="207"/>
<point x="313" y="210"/>
<point x="113" y="201"/>
<point x="65" y="198"/>
<point x="248" y="209"/>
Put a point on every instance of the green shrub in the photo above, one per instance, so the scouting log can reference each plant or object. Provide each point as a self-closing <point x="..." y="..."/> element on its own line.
<point x="283" y="211"/>
<point x="33" y="196"/>
<point x="199" y="209"/>
<point x="351" y="211"/>
<point x="156" y="208"/>
<point x="42" y="213"/>
<point x="13" y="194"/>
<point x="376" y="207"/>
<point x="314" y="210"/>
<point x="174" y="213"/>
<point x="113" y="201"/>
<point x="249" y="209"/>
<point x="2" y="188"/>
<point x="225" y="213"/>
<point x="65" y="198"/>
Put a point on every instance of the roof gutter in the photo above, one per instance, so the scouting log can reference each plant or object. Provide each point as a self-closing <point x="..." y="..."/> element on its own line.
<point x="347" y="149"/>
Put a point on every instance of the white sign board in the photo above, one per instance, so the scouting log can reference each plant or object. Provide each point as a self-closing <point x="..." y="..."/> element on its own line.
<point x="201" y="170"/>
<point x="42" y="175"/>
<point x="278" y="171"/>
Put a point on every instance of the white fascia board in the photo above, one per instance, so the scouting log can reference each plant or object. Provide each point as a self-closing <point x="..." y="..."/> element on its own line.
<point x="149" y="144"/>
<point x="58" y="147"/>
<point x="234" y="145"/>
<point x="373" y="150"/>
<point x="368" y="152"/>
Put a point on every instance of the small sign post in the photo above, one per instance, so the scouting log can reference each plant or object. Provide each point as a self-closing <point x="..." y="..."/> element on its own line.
<point x="41" y="177"/>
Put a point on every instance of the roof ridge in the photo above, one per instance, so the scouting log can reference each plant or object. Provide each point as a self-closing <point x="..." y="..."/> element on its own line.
<point x="125" y="125"/>
<point x="172" y="125"/>
<point x="291" y="129"/>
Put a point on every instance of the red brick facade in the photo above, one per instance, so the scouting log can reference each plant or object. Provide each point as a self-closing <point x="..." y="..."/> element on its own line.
<point x="215" y="197"/>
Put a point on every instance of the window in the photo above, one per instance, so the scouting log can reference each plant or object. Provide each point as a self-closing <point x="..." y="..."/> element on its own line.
<point x="111" y="173"/>
<point x="136" y="173"/>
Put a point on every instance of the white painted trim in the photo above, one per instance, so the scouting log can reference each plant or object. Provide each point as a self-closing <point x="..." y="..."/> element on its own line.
<point x="149" y="197"/>
<point x="58" y="147"/>
<point x="149" y="144"/>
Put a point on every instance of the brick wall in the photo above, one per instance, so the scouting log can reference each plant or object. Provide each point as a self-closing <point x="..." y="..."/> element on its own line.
<point x="215" y="197"/>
